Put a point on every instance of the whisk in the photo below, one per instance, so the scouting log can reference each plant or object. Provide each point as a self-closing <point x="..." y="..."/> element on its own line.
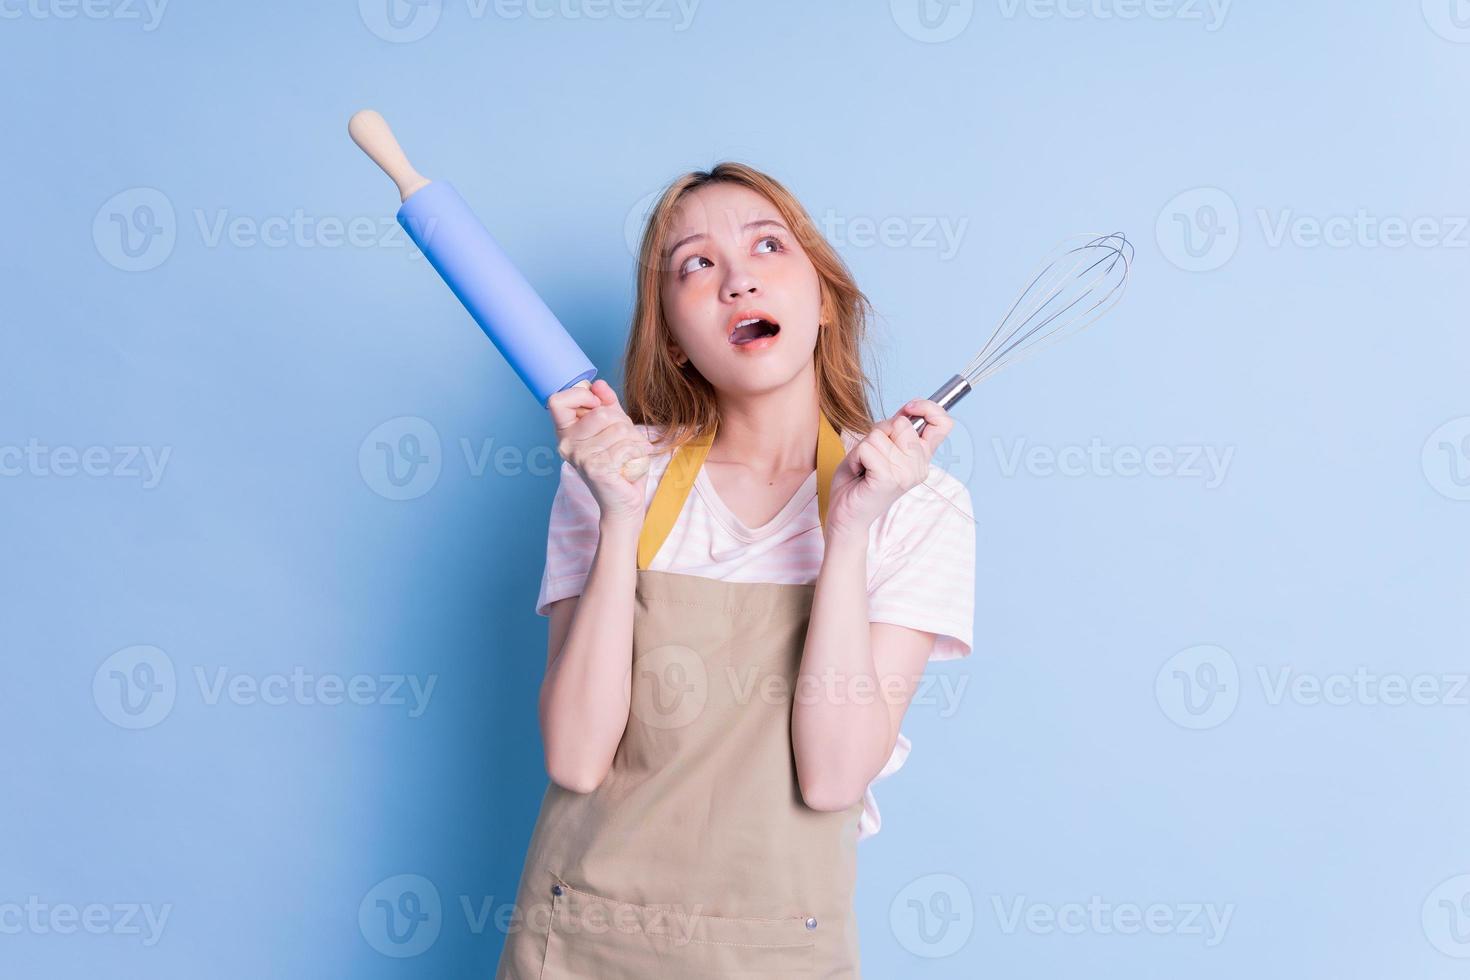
<point x="1082" y="279"/>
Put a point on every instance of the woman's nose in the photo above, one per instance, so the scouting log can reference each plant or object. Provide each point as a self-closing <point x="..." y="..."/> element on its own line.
<point x="740" y="283"/>
<point x="740" y="279"/>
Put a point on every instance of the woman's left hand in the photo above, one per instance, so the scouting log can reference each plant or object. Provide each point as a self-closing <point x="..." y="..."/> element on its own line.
<point x="889" y="461"/>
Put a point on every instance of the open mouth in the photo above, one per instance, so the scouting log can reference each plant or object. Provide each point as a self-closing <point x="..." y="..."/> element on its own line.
<point x="750" y="326"/>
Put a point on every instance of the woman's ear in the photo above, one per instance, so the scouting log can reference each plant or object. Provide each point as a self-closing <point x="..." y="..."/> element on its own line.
<point x="827" y="315"/>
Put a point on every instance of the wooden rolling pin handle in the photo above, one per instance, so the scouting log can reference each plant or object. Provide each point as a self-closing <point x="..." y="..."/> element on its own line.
<point x="370" y="132"/>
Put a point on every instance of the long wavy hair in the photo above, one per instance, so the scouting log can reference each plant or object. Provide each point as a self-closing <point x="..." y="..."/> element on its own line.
<point x="661" y="392"/>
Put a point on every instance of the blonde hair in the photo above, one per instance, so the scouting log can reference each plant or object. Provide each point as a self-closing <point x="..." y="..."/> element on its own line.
<point x="661" y="392"/>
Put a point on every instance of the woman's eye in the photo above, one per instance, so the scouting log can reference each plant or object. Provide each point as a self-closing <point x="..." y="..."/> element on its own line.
<point x="685" y="267"/>
<point x="773" y="240"/>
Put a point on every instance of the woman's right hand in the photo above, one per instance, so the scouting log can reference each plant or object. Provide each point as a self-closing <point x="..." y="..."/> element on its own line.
<point x="595" y="435"/>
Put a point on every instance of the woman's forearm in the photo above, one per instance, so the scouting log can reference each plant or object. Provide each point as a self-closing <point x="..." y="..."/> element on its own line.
<point x="840" y="721"/>
<point x="584" y="697"/>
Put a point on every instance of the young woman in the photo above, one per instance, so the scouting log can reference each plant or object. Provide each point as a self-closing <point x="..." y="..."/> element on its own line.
<point x="735" y="633"/>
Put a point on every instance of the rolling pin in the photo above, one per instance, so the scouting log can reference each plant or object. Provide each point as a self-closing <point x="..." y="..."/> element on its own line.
<point x="478" y="272"/>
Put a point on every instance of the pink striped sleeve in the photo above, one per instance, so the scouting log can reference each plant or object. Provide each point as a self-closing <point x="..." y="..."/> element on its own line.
<point x="926" y="565"/>
<point x="571" y="539"/>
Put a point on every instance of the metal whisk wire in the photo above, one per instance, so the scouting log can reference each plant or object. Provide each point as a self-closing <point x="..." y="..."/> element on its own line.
<point x="1087" y="277"/>
<point x="1079" y="282"/>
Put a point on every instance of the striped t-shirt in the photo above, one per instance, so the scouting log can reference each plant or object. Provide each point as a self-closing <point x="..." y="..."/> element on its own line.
<point x="921" y="558"/>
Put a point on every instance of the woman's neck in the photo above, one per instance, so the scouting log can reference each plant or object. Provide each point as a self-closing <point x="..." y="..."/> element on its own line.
<point x="770" y="432"/>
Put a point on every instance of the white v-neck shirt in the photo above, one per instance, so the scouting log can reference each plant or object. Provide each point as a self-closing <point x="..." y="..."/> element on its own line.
<point x="921" y="558"/>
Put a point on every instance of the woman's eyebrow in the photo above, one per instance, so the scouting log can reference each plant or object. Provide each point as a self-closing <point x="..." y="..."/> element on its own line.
<point x="761" y="223"/>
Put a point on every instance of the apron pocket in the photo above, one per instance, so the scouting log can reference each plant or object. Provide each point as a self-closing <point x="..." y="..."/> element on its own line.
<point x="600" y="938"/>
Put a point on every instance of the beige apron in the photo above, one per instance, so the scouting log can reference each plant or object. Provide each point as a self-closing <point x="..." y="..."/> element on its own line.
<point x="696" y="858"/>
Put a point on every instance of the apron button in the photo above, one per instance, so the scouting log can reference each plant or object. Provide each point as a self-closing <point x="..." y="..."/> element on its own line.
<point x="556" y="890"/>
<point x="811" y="922"/>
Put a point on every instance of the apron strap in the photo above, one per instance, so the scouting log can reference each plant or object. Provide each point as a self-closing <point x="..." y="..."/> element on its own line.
<point x="830" y="454"/>
<point x="673" y="488"/>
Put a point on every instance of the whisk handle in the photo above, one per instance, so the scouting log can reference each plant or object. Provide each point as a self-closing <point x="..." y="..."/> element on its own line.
<point x="946" y="395"/>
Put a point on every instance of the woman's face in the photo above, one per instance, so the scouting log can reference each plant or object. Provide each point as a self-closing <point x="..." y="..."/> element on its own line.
<point x="733" y="261"/>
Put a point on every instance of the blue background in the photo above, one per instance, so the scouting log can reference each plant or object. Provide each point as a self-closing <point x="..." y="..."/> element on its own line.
<point x="1119" y="731"/>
